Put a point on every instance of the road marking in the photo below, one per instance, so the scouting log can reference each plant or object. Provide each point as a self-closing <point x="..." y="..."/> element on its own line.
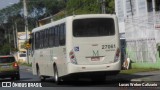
<point x="136" y="80"/>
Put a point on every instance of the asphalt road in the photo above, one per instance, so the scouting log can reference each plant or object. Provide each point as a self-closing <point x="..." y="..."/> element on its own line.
<point x="26" y="75"/>
<point x="112" y="82"/>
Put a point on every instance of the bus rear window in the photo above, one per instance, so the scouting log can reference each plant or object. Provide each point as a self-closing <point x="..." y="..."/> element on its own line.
<point x="93" y="27"/>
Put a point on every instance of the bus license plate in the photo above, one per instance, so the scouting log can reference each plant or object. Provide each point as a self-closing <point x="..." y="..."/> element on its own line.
<point x="95" y="59"/>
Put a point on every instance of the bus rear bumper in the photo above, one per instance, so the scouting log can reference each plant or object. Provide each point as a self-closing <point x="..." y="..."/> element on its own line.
<point x="106" y="68"/>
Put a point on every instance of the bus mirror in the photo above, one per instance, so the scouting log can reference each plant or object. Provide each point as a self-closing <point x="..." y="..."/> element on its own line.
<point x="30" y="41"/>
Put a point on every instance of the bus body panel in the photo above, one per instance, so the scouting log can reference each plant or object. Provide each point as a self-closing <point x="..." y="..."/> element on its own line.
<point x="84" y="48"/>
<point x="93" y="68"/>
<point x="95" y="47"/>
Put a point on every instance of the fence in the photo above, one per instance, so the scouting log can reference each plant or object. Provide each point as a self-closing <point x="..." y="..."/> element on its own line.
<point x="142" y="38"/>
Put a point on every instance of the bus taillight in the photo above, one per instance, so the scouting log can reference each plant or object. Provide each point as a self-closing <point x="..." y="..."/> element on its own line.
<point x="72" y="57"/>
<point x="117" y="54"/>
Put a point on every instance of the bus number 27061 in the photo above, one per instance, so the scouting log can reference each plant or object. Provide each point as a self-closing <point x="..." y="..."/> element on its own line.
<point x="112" y="46"/>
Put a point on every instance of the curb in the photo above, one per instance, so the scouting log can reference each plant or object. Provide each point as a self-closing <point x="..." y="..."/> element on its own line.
<point x="136" y="80"/>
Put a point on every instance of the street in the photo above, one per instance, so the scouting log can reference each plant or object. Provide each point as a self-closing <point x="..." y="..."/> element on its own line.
<point x="27" y="76"/>
<point x="112" y="82"/>
<point x="81" y="37"/>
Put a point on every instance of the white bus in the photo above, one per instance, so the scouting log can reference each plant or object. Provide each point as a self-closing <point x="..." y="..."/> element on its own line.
<point x="76" y="46"/>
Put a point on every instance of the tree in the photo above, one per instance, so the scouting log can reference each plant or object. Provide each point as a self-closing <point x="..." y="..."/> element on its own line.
<point x="5" y="49"/>
<point x="110" y="6"/>
<point x="82" y="7"/>
<point x="88" y="6"/>
<point x="39" y="9"/>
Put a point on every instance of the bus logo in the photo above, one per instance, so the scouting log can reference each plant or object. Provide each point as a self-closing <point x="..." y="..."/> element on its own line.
<point x="76" y="49"/>
<point x="95" y="53"/>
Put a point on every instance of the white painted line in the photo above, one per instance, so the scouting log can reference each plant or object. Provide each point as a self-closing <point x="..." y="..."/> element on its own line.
<point x="136" y="80"/>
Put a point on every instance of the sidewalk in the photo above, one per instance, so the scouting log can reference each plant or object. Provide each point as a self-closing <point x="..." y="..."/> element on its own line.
<point x="152" y="76"/>
<point x="148" y="76"/>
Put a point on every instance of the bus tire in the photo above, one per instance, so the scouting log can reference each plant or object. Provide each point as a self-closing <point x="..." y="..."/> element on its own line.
<point x="56" y="76"/>
<point x="42" y="78"/>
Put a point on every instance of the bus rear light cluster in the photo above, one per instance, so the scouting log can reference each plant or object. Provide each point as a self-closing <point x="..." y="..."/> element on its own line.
<point x="72" y="57"/>
<point x="117" y="55"/>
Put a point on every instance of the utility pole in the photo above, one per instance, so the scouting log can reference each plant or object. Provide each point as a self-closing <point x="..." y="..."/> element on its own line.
<point x="26" y="25"/>
<point x="14" y="36"/>
<point x="26" y="18"/>
<point x="9" y="37"/>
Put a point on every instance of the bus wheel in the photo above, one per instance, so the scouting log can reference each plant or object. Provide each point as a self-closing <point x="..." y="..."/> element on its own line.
<point x="56" y="77"/>
<point x="42" y="78"/>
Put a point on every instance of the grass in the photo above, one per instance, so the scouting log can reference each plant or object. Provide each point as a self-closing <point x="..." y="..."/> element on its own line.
<point x="137" y="70"/>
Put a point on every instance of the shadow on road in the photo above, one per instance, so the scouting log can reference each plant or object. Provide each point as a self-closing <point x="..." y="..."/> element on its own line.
<point x="110" y="81"/>
<point x="127" y="77"/>
<point x="9" y="80"/>
<point x="26" y="79"/>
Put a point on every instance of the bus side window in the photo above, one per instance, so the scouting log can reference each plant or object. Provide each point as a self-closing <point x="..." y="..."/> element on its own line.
<point x="53" y="36"/>
<point x="31" y="42"/>
<point x="41" y="40"/>
<point x="50" y="37"/>
<point x="62" y="35"/>
<point x="45" y="38"/>
<point x="37" y="44"/>
<point x="57" y="36"/>
<point x="35" y="40"/>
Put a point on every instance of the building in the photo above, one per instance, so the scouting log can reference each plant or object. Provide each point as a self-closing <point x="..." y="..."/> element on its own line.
<point x="21" y="40"/>
<point x="139" y="22"/>
<point x="21" y="54"/>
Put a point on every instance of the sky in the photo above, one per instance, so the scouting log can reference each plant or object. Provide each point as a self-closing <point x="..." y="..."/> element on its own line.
<point x="5" y="3"/>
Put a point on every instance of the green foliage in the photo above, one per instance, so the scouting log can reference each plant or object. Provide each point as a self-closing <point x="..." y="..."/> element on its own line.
<point x="137" y="70"/>
<point x="45" y="8"/>
<point x="39" y="9"/>
<point x="82" y="7"/>
<point x="5" y="49"/>
<point x="110" y="6"/>
<point x="88" y="6"/>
